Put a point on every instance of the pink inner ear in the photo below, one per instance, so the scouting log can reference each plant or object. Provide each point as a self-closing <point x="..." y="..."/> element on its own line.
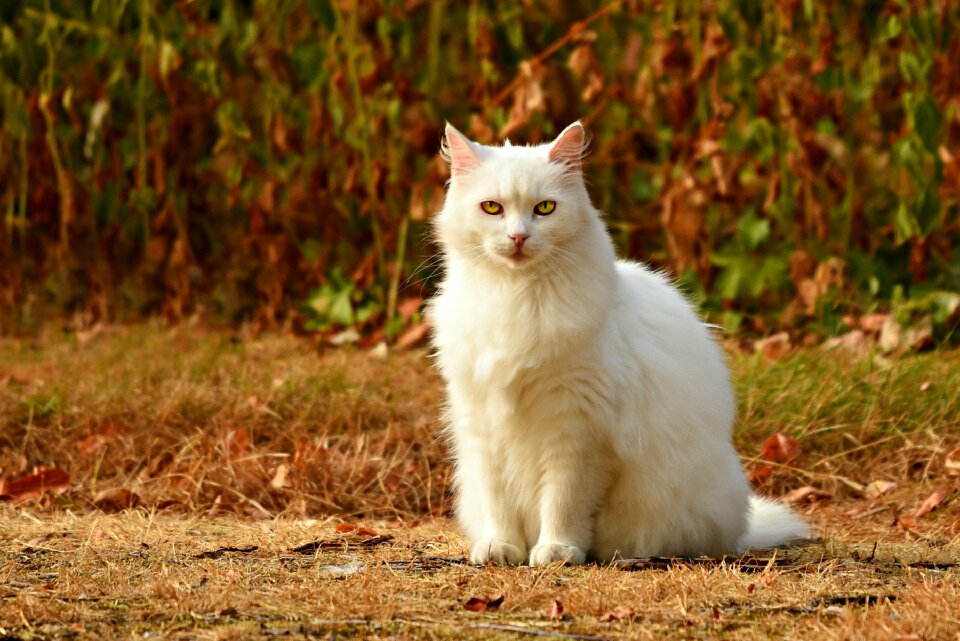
<point x="567" y="149"/>
<point x="458" y="152"/>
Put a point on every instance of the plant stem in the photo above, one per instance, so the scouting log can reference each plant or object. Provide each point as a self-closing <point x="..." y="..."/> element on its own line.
<point x="141" y="115"/>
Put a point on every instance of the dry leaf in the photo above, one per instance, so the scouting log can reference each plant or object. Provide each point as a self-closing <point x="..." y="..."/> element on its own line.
<point x="617" y="615"/>
<point x="116" y="500"/>
<point x="952" y="463"/>
<point x="36" y="485"/>
<point x="773" y="346"/>
<point x="279" y="480"/>
<point x="106" y="434"/>
<point x="343" y="528"/>
<point x="477" y="604"/>
<point x="924" y="386"/>
<point x="806" y="494"/>
<point x="759" y="473"/>
<point x="413" y="335"/>
<point x="555" y="611"/>
<point x="779" y="448"/>
<point x="930" y="504"/>
<point x="408" y="307"/>
<point x="877" y="489"/>
<point x="873" y="323"/>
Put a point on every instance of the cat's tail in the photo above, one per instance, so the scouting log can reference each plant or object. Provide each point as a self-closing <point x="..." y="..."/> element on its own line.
<point x="771" y="523"/>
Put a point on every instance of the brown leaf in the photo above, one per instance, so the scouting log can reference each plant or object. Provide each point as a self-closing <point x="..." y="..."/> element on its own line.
<point x="555" y="611"/>
<point x="779" y="448"/>
<point x="236" y="443"/>
<point x="115" y="499"/>
<point x="36" y="485"/>
<point x="806" y="494"/>
<point x="774" y="346"/>
<point x="873" y="323"/>
<point x="413" y="335"/>
<point x="408" y="307"/>
<point x="344" y="528"/>
<point x="952" y="463"/>
<point x="106" y="434"/>
<point x="478" y="604"/>
<point x="930" y="504"/>
<point x="759" y="473"/>
<point x="878" y="488"/>
<point x="617" y="615"/>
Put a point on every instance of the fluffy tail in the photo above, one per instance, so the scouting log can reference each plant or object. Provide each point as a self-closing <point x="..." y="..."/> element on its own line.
<point x="770" y="523"/>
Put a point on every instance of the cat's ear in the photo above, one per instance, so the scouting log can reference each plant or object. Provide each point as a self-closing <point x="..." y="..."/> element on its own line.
<point x="569" y="146"/>
<point x="458" y="151"/>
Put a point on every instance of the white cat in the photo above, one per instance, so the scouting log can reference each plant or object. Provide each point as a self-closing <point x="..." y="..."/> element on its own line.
<point x="589" y="410"/>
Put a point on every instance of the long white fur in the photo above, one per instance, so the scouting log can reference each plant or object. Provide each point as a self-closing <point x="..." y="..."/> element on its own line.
<point x="588" y="409"/>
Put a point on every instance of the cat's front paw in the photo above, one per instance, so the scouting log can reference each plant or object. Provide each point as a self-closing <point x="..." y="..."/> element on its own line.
<point x="547" y="553"/>
<point x="498" y="552"/>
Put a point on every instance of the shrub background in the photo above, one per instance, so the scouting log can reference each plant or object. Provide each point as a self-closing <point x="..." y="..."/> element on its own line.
<point x="793" y="162"/>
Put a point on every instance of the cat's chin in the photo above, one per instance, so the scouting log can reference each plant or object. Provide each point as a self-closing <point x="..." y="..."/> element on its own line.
<point x="518" y="261"/>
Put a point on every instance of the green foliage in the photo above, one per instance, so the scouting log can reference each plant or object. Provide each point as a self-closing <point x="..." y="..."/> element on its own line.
<point x="242" y="155"/>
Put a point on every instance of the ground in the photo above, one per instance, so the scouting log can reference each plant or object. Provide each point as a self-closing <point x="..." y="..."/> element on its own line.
<point x="196" y="483"/>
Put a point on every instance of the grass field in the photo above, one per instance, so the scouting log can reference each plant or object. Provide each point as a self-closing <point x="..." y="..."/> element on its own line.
<point x="202" y="484"/>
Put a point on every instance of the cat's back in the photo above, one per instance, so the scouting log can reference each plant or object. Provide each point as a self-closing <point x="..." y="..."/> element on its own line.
<point x="673" y="352"/>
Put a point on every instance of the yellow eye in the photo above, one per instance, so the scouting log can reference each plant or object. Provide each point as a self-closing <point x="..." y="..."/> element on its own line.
<point x="491" y="207"/>
<point x="545" y="207"/>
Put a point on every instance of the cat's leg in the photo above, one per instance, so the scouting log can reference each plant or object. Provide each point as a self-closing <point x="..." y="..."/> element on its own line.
<point x="485" y="509"/>
<point x="575" y="473"/>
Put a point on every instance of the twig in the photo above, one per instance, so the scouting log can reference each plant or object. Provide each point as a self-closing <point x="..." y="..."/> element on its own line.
<point x="575" y="29"/>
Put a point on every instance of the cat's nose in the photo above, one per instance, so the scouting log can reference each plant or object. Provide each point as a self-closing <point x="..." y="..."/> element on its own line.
<point x="519" y="239"/>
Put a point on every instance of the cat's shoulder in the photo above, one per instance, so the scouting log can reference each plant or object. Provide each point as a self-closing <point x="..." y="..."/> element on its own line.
<point x="650" y="285"/>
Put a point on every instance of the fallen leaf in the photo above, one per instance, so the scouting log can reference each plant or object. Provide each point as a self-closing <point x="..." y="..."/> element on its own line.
<point x="106" y="434"/>
<point x="555" y="611"/>
<point x="343" y="528"/>
<point x="906" y="522"/>
<point x="873" y="323"/>
<point x="779" y="448"/>
<point x="878" y="488"/>
<point x="806" y="494"/>
<point x="115" y="499"/>
<point x="952" y="463"/>
<point x="775" y="346"/>
<point x="617" y="615"/>
<point x="35" y="485"/>
<point x="930" y="504"/>
<point x="413" y="335"/>
<point x="477" y="604"/>
<point x="279" y="480"/>
<point x="924" y="386"/>
<point x="759" y="473"/>
<point x="408" y="307"/>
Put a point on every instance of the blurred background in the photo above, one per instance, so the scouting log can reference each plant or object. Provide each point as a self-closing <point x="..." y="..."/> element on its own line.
<point x="794" y="163"/>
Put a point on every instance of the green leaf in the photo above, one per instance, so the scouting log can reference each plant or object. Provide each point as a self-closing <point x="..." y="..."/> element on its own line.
<point x="926" y="122"/>
<point x="753" y="231"/>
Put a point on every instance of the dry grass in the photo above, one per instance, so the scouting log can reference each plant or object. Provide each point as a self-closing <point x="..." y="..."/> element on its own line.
<point x="198" y="424"/>
<point x="141" y="574"/>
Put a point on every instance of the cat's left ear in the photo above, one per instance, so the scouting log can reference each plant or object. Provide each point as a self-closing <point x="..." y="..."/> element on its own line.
<point x="569" y="146"/>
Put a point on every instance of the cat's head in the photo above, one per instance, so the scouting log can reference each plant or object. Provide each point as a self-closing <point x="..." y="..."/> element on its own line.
<point x="514" y="207"/>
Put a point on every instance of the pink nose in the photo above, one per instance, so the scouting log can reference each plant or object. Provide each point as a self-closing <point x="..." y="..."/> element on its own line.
<point x="518" y="239"/>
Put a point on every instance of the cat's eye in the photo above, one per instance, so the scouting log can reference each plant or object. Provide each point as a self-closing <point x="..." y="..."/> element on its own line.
<point x="545" y="207"/>
<point x="491" y="207"/>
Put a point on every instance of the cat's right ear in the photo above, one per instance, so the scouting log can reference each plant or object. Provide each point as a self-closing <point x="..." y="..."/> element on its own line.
<point x="458" y="151"/>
